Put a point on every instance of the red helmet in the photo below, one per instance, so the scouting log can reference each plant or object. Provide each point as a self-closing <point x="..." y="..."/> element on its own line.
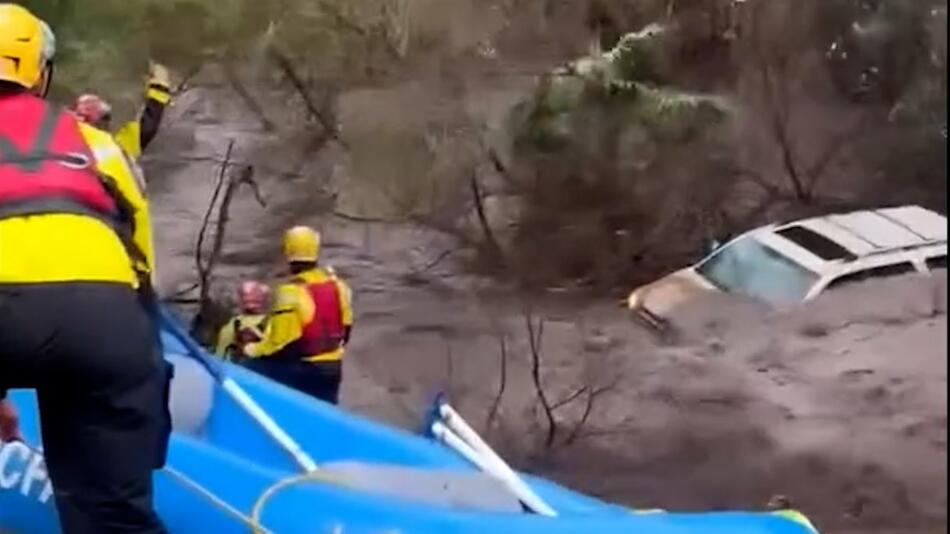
<point x="92" y="109"/>
<point x="252" y="296"/>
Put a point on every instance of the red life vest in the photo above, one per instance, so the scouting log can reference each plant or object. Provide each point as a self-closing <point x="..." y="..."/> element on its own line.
<point x="325" y="333"/>
<point x="46" y="165"/>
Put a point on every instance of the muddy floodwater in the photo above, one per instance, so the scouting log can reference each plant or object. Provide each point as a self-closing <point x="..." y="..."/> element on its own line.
<point x="840" y="405"/>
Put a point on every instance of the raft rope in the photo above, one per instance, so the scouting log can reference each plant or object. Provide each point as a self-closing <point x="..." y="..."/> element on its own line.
<point x="216" y="501"/>
<point x="287" y="482"/>
<point x="253" y="521"/>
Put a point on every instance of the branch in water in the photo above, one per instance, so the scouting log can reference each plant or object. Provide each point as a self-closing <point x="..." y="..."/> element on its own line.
<point x="535" y="336"/>
<point x="502" y="383"/>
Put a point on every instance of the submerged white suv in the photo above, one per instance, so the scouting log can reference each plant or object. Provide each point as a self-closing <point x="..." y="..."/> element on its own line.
<point x="797" y="261"/>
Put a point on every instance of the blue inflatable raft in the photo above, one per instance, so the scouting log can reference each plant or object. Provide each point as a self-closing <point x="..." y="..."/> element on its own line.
<point x="225" y="475"/>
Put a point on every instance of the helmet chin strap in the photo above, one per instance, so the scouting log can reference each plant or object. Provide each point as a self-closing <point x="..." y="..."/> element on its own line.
<point x="47" y="81"/>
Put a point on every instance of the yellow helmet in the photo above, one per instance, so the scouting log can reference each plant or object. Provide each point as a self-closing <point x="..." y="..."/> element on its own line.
<point x="301" y="244"/>
<point x="26" y="46"/>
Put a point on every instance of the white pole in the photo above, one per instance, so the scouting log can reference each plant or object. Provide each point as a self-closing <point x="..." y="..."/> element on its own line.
<point x="441" y="432"/>
<point x="269" y="425"/>
<point x="232" y="388"/>
<point x="455" y="423"/>
<point x="450" y="438"/>
<point x="506" y="476"/>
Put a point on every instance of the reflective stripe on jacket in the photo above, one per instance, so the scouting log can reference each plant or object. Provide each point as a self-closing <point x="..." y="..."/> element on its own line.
<point x="70" y="206"/>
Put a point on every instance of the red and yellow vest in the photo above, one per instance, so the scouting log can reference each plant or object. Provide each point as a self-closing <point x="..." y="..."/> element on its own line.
<point x="309" y="321"/>
<point x="325" y="332"/>
<point x="45" y="165"/>
<point x="49" y="176"/>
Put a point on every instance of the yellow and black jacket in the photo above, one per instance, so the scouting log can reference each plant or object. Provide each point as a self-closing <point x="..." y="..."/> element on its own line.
<point x="135" y="136"/>
<point x="238" y="332"/>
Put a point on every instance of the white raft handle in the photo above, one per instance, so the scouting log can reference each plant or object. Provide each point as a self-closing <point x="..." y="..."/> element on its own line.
<point x="457" y="434"/>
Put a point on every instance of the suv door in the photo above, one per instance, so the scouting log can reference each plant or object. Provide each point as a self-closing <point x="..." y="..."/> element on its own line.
<point x="883" y="271"/>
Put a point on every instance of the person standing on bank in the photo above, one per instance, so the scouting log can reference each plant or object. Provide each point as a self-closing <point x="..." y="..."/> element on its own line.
<point x="309" y="325"/>
<point x="76" y="262"/>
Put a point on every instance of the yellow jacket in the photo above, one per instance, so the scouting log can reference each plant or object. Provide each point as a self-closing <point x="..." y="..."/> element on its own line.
<point x="73" y="248"/>
<point x="134" y="136"/>
<point x="228" y="332"/>
<point x="293" y="308"/>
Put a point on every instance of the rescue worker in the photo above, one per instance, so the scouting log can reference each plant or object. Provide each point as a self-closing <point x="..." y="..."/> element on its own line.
<point x="133" y="136"/>
<point x="75" y="266"/>
<point x="93" y="110"/>
<point x="247" y="326"/>
<point x="309" y="325"/>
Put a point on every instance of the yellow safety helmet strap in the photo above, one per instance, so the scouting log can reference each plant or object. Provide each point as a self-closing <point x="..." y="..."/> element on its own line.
<point x="48" y="54"/>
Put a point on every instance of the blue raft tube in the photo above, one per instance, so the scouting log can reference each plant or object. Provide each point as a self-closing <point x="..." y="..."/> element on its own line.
<point x="224" y="474"/>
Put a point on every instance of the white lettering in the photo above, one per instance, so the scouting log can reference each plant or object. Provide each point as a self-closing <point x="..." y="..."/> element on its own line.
<point x="35" y="472"/>
<point x="10" y="475"/>
<point x="24" y="467"/>
<point x="47" y="492"/>
<point x="48" y="486"/>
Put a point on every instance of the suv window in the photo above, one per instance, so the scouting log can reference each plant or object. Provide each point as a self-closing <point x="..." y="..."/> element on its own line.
<point x="884" y="271"/>
<point x="937" y="262"/>
<point x="816" y="243"/>
<point x="749" y="267"/>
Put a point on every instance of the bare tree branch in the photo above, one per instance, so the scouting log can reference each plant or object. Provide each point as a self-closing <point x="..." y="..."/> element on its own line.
<point x="247" y="178"/>
<point x="588" y="408"/>
<point x="494" y="248"/>
<point x="219" y="233"/>
<point x="779" y="122"/>
<point x="775" y="192"/>
<point x="366" y="220"/>
<point x="343" y="21"/>
<point x="224" y="211"/>
<point x="833" y="150"/>
<point x="570" y="398"/>
<point x="330" y="130"/>
<point x="183" y="292"/>
<point x="592" y="396"/>
<point x="249" y="101"/>
<point x="500" y="167"/>
<point x="183" y="83"/>
<point x="202" y="266"/>
<point x="535" y="336"/>
<point x="502" y="383"/>
<point x="150" y="158"/>
<point x="226" y="188"/>
<point x="432" y="263"/>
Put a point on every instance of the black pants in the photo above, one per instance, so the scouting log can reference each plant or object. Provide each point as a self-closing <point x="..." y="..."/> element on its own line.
<point x="320" y="380"/>
<point x="92" y="352"/>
